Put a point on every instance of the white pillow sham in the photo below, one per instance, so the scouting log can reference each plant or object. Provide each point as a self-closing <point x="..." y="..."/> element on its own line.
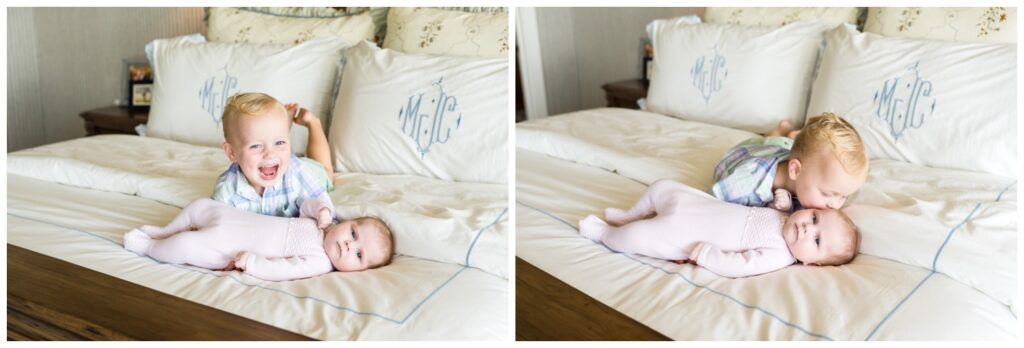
<point x="444" y="117"/>
<point x="736" y="76"/>
<point x="427" y="30"/>
<point x="244" y="25"/>
<point x="934" y="103"/>
<point x="194" y="78"/>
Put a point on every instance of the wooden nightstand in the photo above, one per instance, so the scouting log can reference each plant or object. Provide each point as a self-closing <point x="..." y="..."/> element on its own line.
<point x="114" y="120"/>
<point x="624" y="94"/>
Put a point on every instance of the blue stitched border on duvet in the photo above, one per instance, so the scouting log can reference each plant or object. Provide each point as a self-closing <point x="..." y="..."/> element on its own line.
<point x="311" y="298"/>
<point x="756" y="308"/>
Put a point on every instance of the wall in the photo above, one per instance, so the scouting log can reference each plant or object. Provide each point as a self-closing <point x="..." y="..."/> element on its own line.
<point x="584" y="48"/>
<point x="62" y="61"/>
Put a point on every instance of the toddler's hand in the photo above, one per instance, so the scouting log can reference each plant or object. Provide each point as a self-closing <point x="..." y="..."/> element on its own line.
<point x="783" y="201"/>
<point x="324" y="219"/>
<point x="304" y="116"/>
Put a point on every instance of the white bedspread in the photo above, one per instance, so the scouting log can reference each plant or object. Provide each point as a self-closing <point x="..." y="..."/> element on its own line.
<point x="74" y="200"/>
<point x="938" y="248"/>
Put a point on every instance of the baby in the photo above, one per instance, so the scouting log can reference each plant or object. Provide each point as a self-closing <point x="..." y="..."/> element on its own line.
<point x="212" y="235"/>
<point x="824" y="165"/>
<point x="264" y="176"/>
<point x="673" y="221"/>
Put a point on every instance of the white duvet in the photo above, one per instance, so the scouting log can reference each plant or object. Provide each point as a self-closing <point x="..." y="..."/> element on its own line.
<point x="74" y="201"/>
<point x="938" y="246"/>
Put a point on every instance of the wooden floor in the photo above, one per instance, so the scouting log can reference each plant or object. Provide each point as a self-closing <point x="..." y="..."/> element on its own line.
<point x="50" y="299"/>
<point x="549" y="309"/>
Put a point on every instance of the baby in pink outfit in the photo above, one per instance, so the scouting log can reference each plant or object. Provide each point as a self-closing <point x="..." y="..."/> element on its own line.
<point x="213" y="235"/>
<point x="673" y="221"/>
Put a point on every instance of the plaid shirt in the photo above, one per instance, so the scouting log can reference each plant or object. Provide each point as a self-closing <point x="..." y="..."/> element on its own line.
<point x="298" y="193"/>
<point x="746" y="174"/>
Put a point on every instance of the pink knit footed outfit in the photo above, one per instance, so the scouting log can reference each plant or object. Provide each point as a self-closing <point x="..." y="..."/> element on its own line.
<point x="211" y="234"/>
<point x="671" y="219"/>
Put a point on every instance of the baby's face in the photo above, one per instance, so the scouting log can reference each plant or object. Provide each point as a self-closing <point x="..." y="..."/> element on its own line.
<point x="356" y="245"/>
<point x="262" y="147"/>
<point x="814" y="235"/>
<point x="822" y="183"/>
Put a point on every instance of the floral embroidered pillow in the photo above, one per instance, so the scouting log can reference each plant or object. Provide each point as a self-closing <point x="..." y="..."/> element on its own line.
<point x="436" y="116"/>
<point x="427" y="30"/>
<point x="934" y="103"/>
<point x="779" y="16"/>
<point x="245" y="25"/>
<point x="966" y="24"/>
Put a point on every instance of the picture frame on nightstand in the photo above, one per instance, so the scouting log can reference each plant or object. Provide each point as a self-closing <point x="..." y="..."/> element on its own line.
<point x="139" y="78"/>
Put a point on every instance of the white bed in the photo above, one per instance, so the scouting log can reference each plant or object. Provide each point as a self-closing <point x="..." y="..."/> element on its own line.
<point x="937" y="256"/>
<point x="74" y="200"/>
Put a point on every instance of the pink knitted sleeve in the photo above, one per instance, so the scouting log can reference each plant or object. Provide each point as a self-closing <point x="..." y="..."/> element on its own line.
<point x="735" y="264"/>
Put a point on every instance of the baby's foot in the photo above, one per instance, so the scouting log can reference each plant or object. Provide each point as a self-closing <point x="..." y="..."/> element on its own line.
<point x="616" y="216"/>
<point x="137" y="242"/>
<point x="593" y="228"/>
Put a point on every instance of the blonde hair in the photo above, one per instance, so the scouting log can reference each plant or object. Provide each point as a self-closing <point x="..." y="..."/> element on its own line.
<point x="839" y="135"/>
<point x="846" y="255"/>
<point x="390" y="247"/>
<point x="246" y="104"/>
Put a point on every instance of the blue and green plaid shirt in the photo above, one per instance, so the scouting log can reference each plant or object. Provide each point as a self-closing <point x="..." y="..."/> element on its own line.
<point x="746" y="174"/>
<point x="298" y="193"/>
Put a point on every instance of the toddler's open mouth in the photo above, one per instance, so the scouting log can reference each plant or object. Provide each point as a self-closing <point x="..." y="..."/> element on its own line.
<point x="268" y="172"/>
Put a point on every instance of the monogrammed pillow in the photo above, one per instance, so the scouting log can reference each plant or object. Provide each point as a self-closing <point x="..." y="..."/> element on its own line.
<point x="934" y="103"/>
<point x="193" y="78"/>
<point x="732" y="75"/>
<point x="444" y="117"/>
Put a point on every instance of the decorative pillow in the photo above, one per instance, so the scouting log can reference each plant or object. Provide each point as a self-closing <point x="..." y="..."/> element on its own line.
<point x="934" y="103"/>
<point x="194" y="78"/>
<point x="427" y="30"/>
<point x="731" y="75"/>
<point x="968" y="24"/>
<point x="779" y="16"/>
<point x="435" y="116"/>
<point x="243" y="25"/>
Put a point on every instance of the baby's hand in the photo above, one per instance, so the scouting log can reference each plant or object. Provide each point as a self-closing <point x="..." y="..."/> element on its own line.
<point x="783" y="201"/>
<point x="303" y="116"/>
<point x="240" y="260"/>
<point x="695" y="251"/>
<point x="324" y="219"/>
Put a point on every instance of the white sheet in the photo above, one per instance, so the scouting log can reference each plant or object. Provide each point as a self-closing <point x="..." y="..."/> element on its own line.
<point x="430" y="218"/>
<point x="413" y="298"/>
<point x="888" y="292"/>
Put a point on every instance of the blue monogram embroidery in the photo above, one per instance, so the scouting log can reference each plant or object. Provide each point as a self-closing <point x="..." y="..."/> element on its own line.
<point x="428" y="129"/>
<point x="708" y="73"/>
<point x="896" y="103"/>
<point x="213" y="100"/>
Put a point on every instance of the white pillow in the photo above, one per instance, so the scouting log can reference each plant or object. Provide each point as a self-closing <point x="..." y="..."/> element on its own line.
<point x="779" y="16"/>
<point x="934" y="103"/>
<point x="736" y="76"/>
<point x="967" y="24"/>
<point x="427" y="30"/>
<point x="458" y="127"/>
<point x="243" y="25"/>
<point x="194" y="78"/>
